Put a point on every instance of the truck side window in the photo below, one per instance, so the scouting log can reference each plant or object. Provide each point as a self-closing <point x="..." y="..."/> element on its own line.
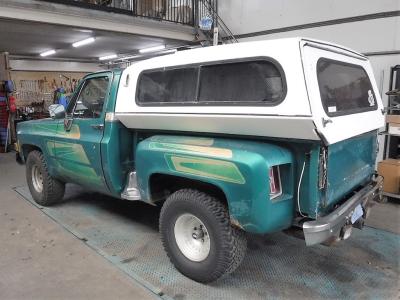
<point x="176" y="85"/>
<point x="249" y="81"/>
<point x="90" y="101"/>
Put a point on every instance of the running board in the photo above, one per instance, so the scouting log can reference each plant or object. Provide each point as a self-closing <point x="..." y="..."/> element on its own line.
<point x="131" y="191"/>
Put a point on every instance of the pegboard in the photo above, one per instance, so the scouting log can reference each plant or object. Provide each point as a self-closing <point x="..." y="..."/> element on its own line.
<point x="31" y="86"/>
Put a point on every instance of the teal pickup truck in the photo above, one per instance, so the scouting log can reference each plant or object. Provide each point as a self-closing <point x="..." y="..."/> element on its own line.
<point x="227" y="140"/>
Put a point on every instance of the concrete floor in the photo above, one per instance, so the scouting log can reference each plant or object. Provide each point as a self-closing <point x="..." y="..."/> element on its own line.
<point x="41" y="260"/>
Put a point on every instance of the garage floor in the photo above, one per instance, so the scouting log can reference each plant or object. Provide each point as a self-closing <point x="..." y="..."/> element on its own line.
<point x="43" y="260"/>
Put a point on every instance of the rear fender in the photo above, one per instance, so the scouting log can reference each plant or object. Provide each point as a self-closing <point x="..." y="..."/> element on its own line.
<point x="236" y="167"/>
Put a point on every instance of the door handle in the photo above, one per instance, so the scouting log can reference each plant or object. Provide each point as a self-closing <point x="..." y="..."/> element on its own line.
<point x="97" y="126"/>
<point x="326" y="121"/>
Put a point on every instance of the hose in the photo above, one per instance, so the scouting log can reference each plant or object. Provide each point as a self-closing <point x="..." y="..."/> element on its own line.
<point x="298" y="189"/>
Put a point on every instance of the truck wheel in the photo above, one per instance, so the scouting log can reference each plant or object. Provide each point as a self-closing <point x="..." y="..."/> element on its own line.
<point x="45" y="190"/>
<point x="197" y="235"/>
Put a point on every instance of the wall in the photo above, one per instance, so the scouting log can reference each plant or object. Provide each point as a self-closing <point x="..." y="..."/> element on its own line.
<point x="54" y="66"/>
<point x="38" y="86"/>
<point x="36" y="80"/>
<point x="244" y="16"/>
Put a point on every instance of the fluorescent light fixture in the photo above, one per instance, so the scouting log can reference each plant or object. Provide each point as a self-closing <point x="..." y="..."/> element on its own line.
<point x="152" y="49"/>
<point x="47" y="53"/>
<point x="170" y="51"/>
<point x="84" y="42"/>
<point x="107" y="57"/>
<point x="129" y="57"/>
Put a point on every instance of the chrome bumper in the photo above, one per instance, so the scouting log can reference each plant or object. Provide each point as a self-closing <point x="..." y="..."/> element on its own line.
<point x="331" y="227"/>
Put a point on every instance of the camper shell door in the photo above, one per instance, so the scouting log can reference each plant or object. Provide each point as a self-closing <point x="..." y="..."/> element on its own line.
<point x="344" y="98"/>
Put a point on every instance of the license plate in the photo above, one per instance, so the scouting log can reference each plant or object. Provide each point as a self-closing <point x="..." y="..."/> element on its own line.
<point x="358" y="212"/>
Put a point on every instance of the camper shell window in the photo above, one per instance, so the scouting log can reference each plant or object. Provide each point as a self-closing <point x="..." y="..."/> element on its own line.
<point x="168" y="86"/>
<point x="344" y="88"/>
<point x="244" y="82"/>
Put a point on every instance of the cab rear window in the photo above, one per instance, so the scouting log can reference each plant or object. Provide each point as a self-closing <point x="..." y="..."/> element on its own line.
<point x="345" y="88"/>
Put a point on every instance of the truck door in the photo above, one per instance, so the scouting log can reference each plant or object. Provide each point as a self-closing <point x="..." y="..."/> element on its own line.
<point x="77" y="143"/>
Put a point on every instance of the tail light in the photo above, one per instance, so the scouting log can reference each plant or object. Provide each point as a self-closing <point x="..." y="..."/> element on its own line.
<point x="275" y="187"/>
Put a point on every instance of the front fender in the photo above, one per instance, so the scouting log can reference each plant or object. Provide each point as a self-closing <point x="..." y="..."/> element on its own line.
<point x="237" y="167"/>
<point x="38" y="134"/>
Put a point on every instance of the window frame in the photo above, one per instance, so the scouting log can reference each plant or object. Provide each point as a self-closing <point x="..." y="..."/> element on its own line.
<point x="79" y="90"/>
<point x="198" y="66"/>
<point x="351" y="111"/>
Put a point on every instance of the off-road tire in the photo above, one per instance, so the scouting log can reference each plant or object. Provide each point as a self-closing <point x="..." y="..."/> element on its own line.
<point x="52" y="189"/>
<point x="228" y="244"/>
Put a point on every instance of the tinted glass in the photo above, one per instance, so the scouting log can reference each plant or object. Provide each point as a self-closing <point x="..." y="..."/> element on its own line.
<point x="90" y="101"/>
<point x="178" y="85"/>
<point x="345" y="88"/>
<point x="253" y="81"/>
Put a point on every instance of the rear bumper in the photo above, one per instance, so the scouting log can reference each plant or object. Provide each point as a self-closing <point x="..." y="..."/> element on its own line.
<point x="331" y="227"/>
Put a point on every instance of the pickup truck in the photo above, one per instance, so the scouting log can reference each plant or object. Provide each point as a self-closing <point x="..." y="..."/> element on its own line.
<point x="254" y="137"/>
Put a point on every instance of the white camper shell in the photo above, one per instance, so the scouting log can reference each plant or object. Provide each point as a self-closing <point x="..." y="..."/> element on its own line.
<point x="296" y="108"/>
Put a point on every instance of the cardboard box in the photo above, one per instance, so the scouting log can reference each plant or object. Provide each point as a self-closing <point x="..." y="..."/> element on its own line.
<point x="393" y="119"/>
<point x="390" y="170"/>
<point x="394" y="128"/>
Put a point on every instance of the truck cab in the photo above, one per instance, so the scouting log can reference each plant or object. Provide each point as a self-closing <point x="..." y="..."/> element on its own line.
<point x="254" y="137"/>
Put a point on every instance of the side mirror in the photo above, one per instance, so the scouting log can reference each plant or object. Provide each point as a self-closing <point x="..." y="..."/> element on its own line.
<point x="57" y="111"/>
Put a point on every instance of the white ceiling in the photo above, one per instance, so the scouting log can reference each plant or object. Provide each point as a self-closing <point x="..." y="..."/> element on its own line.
<point x="29" y="39"/>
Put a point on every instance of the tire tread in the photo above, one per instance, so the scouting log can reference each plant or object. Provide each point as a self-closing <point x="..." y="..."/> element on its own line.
<point x="53" y="189"/>
<point x="234" y="239"/>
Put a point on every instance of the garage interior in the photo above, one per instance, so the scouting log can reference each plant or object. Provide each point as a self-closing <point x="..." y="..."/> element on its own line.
<point x="94" y="246"/>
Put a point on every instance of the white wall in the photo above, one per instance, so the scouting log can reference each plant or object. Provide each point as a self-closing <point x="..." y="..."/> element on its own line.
<point x="56" y="66"/>
<point x="381" y="65"/>
<point x="244" y="16"/>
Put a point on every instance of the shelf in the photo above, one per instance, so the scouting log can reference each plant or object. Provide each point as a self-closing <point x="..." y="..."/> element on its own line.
<point x="387" y="133"/>
<point x="397" y="196"/>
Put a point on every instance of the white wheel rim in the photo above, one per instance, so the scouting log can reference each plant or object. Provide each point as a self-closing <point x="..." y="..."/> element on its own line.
<point x="192" y="237"/>
<point x="37" y="179"/>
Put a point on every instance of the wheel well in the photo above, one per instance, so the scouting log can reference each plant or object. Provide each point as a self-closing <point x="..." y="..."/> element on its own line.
<point x="163" y="185"/>
<point x="26" y="149"/>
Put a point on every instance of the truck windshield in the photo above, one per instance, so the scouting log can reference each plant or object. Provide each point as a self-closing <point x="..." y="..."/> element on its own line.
<point x="345" y="88"/>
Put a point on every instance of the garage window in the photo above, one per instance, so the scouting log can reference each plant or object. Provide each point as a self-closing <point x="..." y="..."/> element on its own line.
<point x="345" y="88"/>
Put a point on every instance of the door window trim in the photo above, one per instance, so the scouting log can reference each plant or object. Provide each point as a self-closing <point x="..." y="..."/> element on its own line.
<point x="81" y="87"/>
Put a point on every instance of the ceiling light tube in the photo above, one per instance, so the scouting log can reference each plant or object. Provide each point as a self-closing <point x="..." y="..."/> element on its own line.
<point x="152" y="49"/>
<point x="108" y="57"/>
<point x="83" y="42"/>
<point x="129" y="57"/>
<point x="47" y="53"/>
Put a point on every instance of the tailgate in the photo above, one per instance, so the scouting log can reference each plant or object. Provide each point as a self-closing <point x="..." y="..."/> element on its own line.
<point x="350" y="164"/>
<point x="344" y="98"/>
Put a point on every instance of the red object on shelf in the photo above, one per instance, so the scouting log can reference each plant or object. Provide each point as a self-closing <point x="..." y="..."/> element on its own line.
<point x="11" y="104"/>
<point x="3" y="114"/>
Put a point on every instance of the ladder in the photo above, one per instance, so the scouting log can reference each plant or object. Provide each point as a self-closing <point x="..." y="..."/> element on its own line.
<point x="219" y="33"/>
